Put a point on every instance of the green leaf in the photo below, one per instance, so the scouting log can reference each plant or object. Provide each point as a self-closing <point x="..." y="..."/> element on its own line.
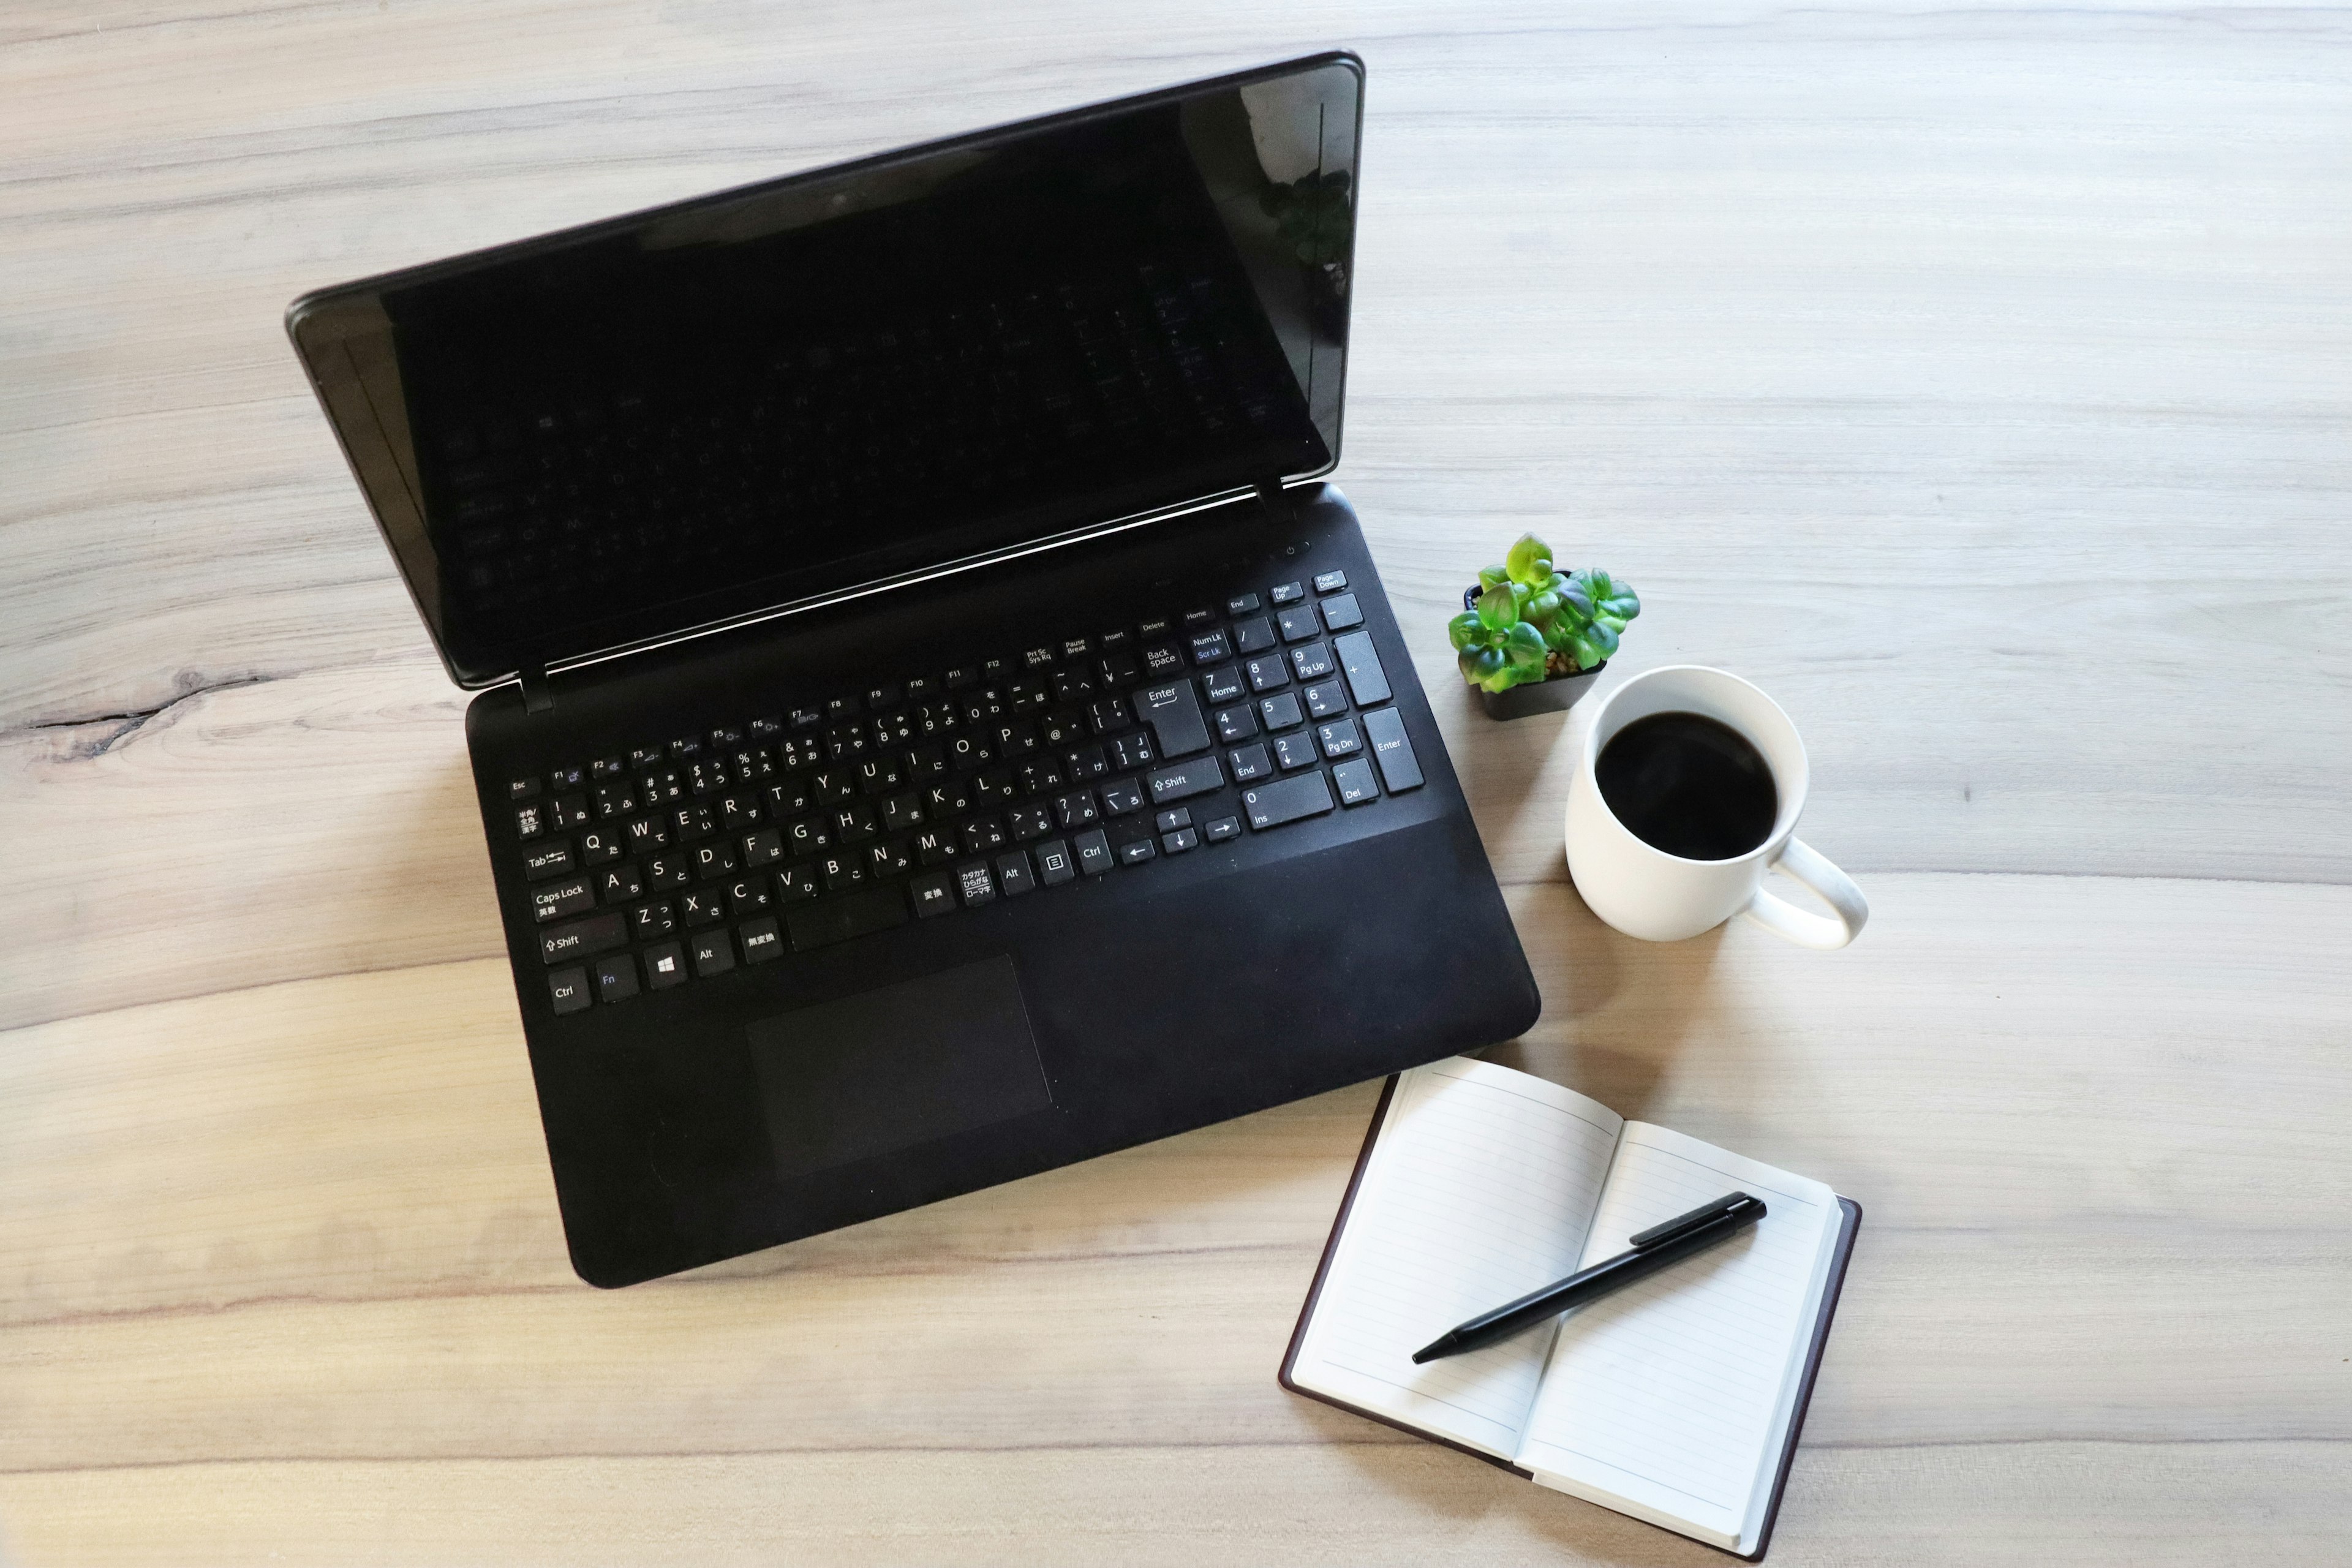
<point x="1497" y="607"/>
<point x="1542" y="608"/>
<point x="1529" y="561"/>
<point x="1466" y="629"/>
<point x="1613" y="602"/>
<point x="1523" y="645"/>
<point x="1594" y="645"/>
<point x="1481" y="664"/>
<point x="1520" y="593"/>
<point x="1492" y="577"/>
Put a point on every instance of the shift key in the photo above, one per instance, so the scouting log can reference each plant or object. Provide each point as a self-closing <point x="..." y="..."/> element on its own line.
<point x="1286" y="800"/>
<point x="1180" y="781"/>
<point x="582" y="939"/>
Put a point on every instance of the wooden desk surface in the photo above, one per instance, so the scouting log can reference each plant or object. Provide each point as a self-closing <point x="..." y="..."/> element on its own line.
<point x="1976" y="380"/>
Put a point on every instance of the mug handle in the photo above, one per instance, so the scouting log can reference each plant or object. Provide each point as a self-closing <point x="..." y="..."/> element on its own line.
<point x="1808" y="865"/>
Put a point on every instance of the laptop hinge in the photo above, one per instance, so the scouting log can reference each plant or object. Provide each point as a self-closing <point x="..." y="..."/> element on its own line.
<point x="536" y="696"/>
<point x="1269" y="496"/>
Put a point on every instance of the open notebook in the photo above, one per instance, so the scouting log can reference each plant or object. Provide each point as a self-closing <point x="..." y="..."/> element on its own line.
<point x="1675" y="1400"/>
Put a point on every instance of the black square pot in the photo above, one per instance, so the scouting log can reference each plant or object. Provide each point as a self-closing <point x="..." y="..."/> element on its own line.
<point x="1554" y="696"/>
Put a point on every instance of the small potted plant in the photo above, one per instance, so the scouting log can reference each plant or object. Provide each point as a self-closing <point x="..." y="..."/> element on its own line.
<point x="1532" y="639"/>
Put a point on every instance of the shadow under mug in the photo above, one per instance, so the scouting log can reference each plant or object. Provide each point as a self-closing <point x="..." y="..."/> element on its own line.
<point x="1645" y="892"/>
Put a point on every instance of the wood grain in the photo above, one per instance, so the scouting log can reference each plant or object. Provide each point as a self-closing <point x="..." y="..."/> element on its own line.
<point x="1976" y="380"/>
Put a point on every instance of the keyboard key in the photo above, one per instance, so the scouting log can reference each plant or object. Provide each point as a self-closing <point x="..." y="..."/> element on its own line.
<point x="664" y="965"/>
<point x="1355" y="781"/>
<point x="1132" y="751"/>
<point x="1120" y="796"/>
<point x="1340" y="613"/>
<point x="1286" y="800"/>
<point x="1241" y="603"/>
<point x="1076" y="809"/>
<point x="1223" y="684"/>
<point x="934" y="894"/>
<point x="599" y="845"/>
<point x="666" y="873"/>
<point x="829" y="921"/>
<point x="1012" y="875"/>
<point x="1028" y="821"/>
<point x="1136" y="851"/>
<point x="1055" y="866"/>
<point x="1287" y="593"/>
<point x="1400" y="769"/>
<point x="764" y="848"/>
<point x="568" y="811"/>
<point x="1093" y="851"/>
<point x="1312" y="662"/>
<point x="1366" y="679"/>
<point x="1299" y="624"/>
<point x="619" y="885"/>
<point x="1253" y="635"/>
<point x="1163" y="659"/>
<point x="1236" y="724"/>
<point x="1175" y="715"/>
<point x="1250" y="764"/>
<point x="1331" y="581"/>
<point x="1174" y="817"/>
<point x="556" y="899"/>
<point x="1210" y="647"/>
<point x="1281" y="712"/>
<point x="975" y="884"/>
<point x="712" y="954"/>
<point x="795" y="884"/>
<point x="582" y="939"/>
<point x="531" y="821"/>
<point x="1324" y="700"/>
<point x="1294" y="751"/>
<point x="652" y="921"/>
<point x="702" y="907"/>
<point x="1181" y="781"/>
<point x="713" y="861"/>
<point x="1338" y="738"/>
<point x="522" y="789"/>
<point x="616" y="978"/>
<point x="568" y="989"/>
<point x="760" y="939"/>
<point x="1224" y="827"/>
<point x="750" y="895"/>
<point x="1198" y="617"/>
<point x="547" y="860"/>
<point x="982" y="835"/>
<point x="1176" y="843"/>
<point x="841" y="871"/>
<point x="1268" y="673"/>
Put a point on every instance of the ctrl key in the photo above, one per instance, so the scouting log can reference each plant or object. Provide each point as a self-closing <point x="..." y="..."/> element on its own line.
<point x="569" y="990"/>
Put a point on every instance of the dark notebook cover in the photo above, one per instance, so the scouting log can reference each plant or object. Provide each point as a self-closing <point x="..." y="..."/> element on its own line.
<point x="1830" y="1293"/>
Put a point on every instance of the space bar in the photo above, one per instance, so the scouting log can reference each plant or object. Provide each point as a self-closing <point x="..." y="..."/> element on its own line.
<point x="837" y="920"/>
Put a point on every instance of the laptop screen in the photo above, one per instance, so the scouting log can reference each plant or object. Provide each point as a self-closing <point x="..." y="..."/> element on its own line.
<point x="620" y="433"/>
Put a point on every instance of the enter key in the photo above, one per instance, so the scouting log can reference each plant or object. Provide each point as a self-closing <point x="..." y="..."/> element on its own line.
<point x="1175" y="715"/>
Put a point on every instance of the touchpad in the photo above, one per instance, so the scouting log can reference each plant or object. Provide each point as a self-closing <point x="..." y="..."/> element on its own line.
<point x="890" y="1068"/>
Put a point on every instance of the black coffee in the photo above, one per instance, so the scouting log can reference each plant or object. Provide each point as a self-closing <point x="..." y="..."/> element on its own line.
<point x="1689" y="786"/>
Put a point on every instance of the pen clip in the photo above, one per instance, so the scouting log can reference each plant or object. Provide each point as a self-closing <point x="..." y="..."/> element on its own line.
<point x="1682" y="1224"/>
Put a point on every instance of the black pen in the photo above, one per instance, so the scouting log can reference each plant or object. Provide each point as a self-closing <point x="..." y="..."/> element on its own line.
<point x="1653" y="1249"/>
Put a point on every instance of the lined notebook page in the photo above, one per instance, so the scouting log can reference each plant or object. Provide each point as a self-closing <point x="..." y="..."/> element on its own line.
<point x="1480" y="1188"/>
<point x="1670" y="1400"/>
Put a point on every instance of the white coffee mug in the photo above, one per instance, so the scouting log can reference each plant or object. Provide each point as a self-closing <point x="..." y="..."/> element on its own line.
<point x="1645" y="892"/>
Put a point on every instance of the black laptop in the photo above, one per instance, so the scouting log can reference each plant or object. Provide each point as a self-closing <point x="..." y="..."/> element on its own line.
<point x="934" y="726"/>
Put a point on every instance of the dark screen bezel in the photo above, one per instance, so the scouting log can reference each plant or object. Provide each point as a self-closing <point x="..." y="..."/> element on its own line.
<point x="647" y="629"/>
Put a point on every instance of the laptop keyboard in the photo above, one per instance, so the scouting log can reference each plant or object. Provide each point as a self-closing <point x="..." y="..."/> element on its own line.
<point x="688" y="858"/>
